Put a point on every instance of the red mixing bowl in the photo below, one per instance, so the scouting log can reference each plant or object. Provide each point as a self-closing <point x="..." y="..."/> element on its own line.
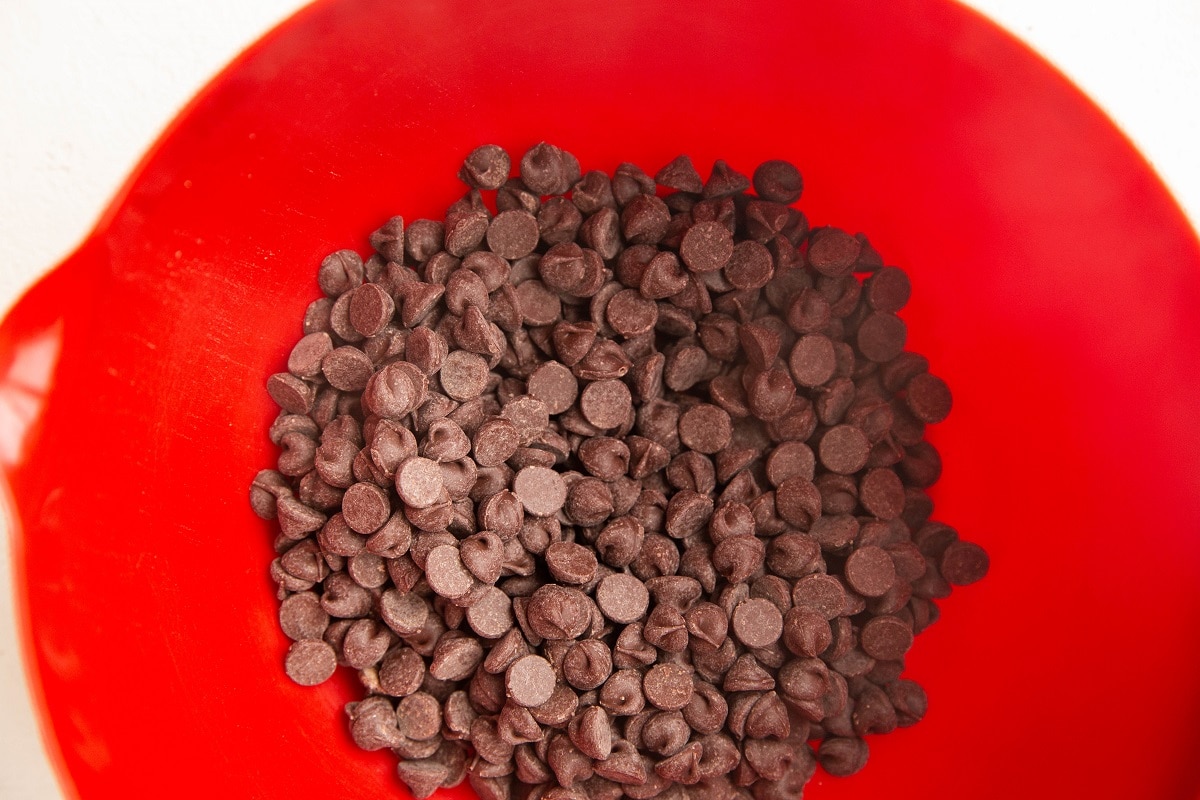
<point x="1056" y="288"/>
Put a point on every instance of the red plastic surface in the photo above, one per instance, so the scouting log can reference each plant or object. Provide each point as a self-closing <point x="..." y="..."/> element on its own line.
<point x="1056" y="287"/>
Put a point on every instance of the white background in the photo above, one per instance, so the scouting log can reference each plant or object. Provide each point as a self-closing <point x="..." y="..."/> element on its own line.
<point x="86" y="87"/>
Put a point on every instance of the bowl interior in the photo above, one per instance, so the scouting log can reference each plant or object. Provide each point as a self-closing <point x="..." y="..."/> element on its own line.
<point x="1055" y="288"/>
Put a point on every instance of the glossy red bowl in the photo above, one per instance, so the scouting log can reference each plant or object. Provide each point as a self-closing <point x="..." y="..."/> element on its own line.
<point x="1057" y="288"/>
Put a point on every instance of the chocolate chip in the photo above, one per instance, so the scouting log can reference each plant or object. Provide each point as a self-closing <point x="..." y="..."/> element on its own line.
<point x="870" y="571"/>
<point x="541" y="491"/>
<point x="705" y="428"/>
<point x="310" y="662"/>
<point x="822" y="593"/>
<point x="490" y="615"/>
<point x="881" y="337"/>
<point x="778" y="181"/>
<point x="928" y="398"/>
<point x="757" y="622"/>
<point x="964" y="563"/>
<point x="750" y="266"/>
<point x="881" y="492"/>
<point x="558" y="612"/>
<point x="587" y="664"/>
<point x="570" y="563"/>
<point x="530" y="681"/>
<point x="812" y="360"/>
<point x="365" y="507"/>
<point x="844" y="449"/>
<point x="606" y="403"/>
<point x="833" y="252"/>
<point x="486" y="167"/>
<point x="706" y="246"/>
<point x="622" y="598"/>
<point x="371" y="309"/>
<point x="554" y="385"/>
<point x="886" y="638"/>
<point x="842" y="756"/>
<point x="630" y="314"/>
<point x="301" y="617"/>
<point x="668" y="686"/>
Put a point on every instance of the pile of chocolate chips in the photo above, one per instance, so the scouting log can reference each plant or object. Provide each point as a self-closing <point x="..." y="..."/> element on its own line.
<point x="612" y="487"/>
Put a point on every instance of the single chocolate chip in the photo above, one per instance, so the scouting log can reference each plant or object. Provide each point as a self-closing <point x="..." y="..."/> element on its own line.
<point x="494" y="442"/>
<point x="302" y="618"/>
<point x="778" y="181"/>
<point x="812" y="360"/>
<point x="371" y="309"/>
<point x="822" y="593"/>
<point x="757" y="622"/>
<point x="881" y="337"/>
<point x="570" y="563"/>
<point x="842" y="756"/>
<point x="622" y="598"/>
<point x="750" y="266"/>
<point x="587" y="664"/>
<point x="964" y="563"/>
<point x="705" y="428"/>
<point x="310" y="662"/>
<point x="546" y="169"/>
<point x="833" y="252"/>
<point x="419" y="482"/>
<point x="668" y="686"/>
<point x="554" y="385"/>
<point x="485" y="167"/>
<point x="445" y="572"/>
<point x="870" y="571"/>
<point x="558" y="612"/>
<point x="881" y="493"/>
<point x="491" y="615"/>
<point x="541" y="491"/>
<point x="606" y="403"/>
<point x="886" y="638"/>
<point x="365" y="508"/>
<point x="844" y="449"/>
<point x="888" y="289"/>
<point x="928" y="398"/>
<point x="706" y="246"/>
<point x="530" y="681"/>
<point x="630" y="314"/>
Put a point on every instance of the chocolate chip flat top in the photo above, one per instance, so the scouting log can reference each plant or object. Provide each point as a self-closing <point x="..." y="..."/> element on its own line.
<point x="928" y="398"/>
<point x="606" y="403"/>
<point x="491" y="615"/>
<point x="310" y="662"/>
<point x="555" y="385"/>
<point x="622" y="598"/>
<point x="757" y="622"/>
<point x="494" y="442"/>
<point x="964" y="563"/>
<point x="886" y="638"/>
<point x="445" y="572"/>
<point x="464" y="375"/>
<point x="705" y="428"/>
<point x="881" y="337"/>
<point x="870" y="571"/>
<point x="812" y="360"/>
<point x="541" y="490"/>
<point x="419" y="482"/>
<point x="530" y="681"/>
<point x="822" y="593"/>
<point x="844" y="449"/>
<point x="668" y="686"/>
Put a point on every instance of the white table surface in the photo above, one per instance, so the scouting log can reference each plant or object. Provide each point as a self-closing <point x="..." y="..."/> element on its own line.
<point x="86" y="87"/>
